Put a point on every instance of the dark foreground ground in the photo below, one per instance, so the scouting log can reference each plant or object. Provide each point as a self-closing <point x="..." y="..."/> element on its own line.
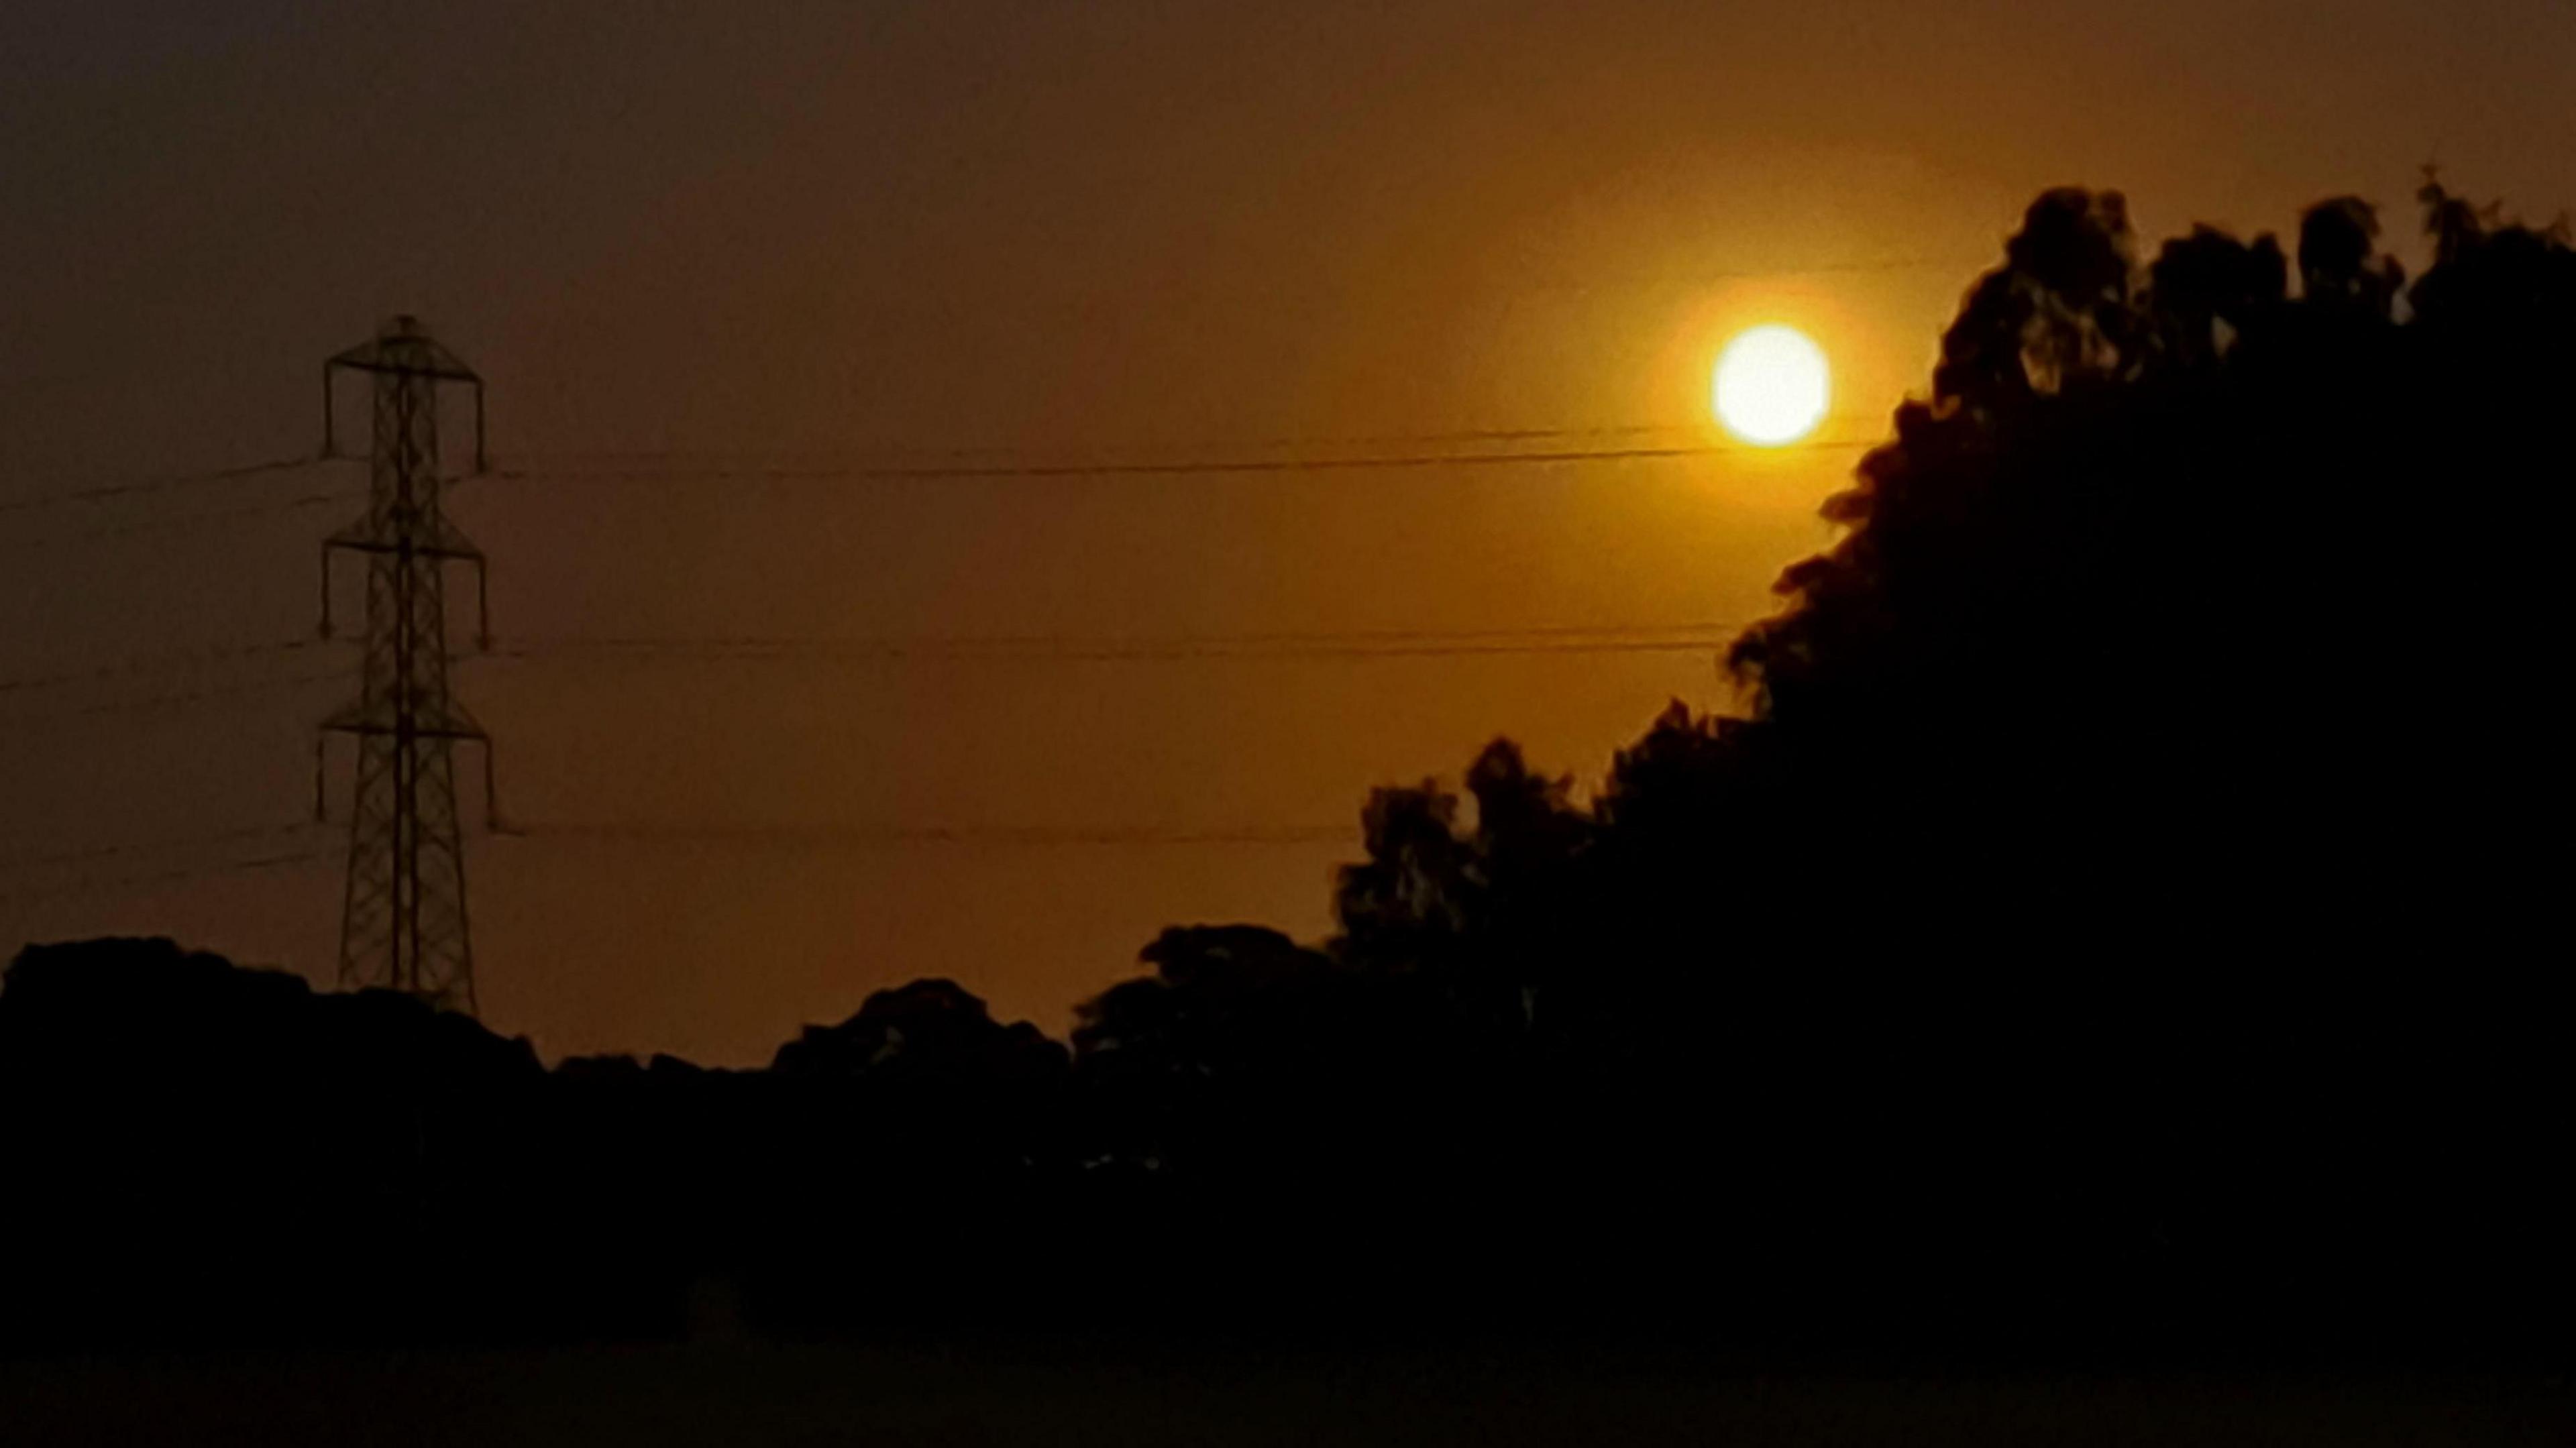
<point x="748" y="1395"/>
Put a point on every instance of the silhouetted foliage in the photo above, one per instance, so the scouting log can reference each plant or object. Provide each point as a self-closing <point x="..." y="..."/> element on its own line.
<point x="195" y="1145"/>
<point x="927" y="1036"/>
<point x="921" y="1093"/>
<point x="2095" y="878"/>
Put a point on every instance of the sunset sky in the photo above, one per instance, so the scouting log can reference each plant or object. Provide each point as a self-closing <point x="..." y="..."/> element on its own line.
<point x="690" y="247"/>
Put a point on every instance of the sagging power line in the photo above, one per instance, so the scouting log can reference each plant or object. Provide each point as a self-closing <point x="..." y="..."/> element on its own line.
<point x="1211" y="452"/>
<point x="672" y="650"/>
<point x="963" y="463"/>
<point x="94" y="853"/>
<point x="1194" y="467"/>
<point x="1066" y="648"/>
<point x="148" y="527"/>
<point x="98" y="885"/>
<point x="104" y="492"/>
<point x="173" y="701"/>
<point x="837" y="837"/>
<point x="145" y="664"/>
<point x="1216" y="449"/>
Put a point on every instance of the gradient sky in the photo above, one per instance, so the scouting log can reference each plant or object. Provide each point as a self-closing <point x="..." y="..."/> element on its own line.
<point x="1043" y="232"/>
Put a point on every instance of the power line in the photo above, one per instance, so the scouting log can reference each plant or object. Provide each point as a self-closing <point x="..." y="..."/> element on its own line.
<point x="1602" y="280"/>
<point x="830" y="837"/>
<point x="221" y="515"/>
<point x="722" y="466"/>
<point x="165" y="483"/>
<point x="219" y="691"/>
<point x="105" y="884"/>
<point x="789" y="648"/>
<point x="146" y="663"/>
<point x="141" y="847"/>
<point x="1384" y="462"/>
<point x="1253" y="647"/>
<point x="957" y="464"/>
<point x="1217" y="447"/>
<point x="180" y="699"/>
<point x="648" y="652"/>
<point x="150" y="526"/>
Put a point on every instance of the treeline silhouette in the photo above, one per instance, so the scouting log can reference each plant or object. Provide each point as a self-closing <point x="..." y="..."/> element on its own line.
<point x="2123" y="924"/>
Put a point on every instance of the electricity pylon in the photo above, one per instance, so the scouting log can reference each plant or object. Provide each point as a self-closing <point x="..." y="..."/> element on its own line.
<point x="402" y="923"/>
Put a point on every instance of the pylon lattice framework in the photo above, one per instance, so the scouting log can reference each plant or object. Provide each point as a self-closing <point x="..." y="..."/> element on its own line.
<point x="403" y="921"/>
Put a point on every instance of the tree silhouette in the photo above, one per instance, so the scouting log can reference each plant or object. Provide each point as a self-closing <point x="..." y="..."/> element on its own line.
<point x="930" y="1035"/>
<point x="2123" y="845"/>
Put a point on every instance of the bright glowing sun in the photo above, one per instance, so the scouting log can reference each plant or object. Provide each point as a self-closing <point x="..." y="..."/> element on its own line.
<point x="1772" y="386"/>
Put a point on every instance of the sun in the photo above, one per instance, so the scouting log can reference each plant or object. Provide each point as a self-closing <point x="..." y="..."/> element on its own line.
<point x="1772" y="386"/>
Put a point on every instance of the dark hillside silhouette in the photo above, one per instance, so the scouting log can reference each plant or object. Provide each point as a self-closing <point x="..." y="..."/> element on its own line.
<point x="2120" y="927"/>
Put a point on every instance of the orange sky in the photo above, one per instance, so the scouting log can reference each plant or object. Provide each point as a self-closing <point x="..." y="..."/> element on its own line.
<point x="1046" y="232"/>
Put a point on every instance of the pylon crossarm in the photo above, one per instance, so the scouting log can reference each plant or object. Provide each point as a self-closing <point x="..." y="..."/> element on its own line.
<point x="373" y="729"/>
<point x="451" y="550"/>
<point x="438" y="372"/>
<point x="403" y="351"/>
